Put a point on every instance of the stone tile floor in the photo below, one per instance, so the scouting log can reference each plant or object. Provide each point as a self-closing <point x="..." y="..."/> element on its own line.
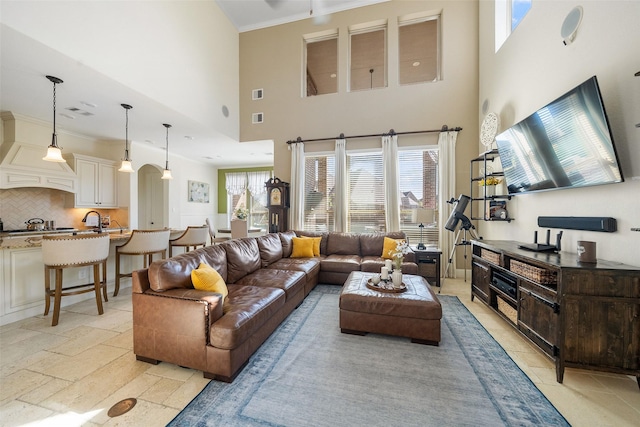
<point x="73" y="373"/>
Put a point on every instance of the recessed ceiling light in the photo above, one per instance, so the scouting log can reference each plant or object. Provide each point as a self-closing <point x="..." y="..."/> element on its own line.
<point x="68" y="116"/>
<point x="415" y="64"/>
<point x="148" y="141"/>
<point x="190" y="138"/>
<point x="88" y="104"/>
<point x="208" y="157"/>
<point x="334" y="75"/>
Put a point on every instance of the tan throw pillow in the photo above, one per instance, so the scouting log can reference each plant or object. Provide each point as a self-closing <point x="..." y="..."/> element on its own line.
<point x="206" y="278"/>
<point x="302" y="248"/>
<point x="390" y="247"/>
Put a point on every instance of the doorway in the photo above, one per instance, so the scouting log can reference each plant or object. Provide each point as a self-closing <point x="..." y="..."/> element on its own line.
<point x="152" y="199"/>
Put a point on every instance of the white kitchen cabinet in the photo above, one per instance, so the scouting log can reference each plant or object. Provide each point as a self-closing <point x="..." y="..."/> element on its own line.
<point x="23" y="281"/>
<point x="97" y="182"/>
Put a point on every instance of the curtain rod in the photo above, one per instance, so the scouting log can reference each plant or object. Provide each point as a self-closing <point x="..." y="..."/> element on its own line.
<point x="444" y="128"/>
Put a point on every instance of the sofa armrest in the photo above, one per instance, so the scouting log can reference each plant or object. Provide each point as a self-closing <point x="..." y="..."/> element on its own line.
<point x="140" y="281"/>
<point x="179" y="312"/>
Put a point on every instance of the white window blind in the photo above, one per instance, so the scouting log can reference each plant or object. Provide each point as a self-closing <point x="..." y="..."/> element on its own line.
<point x="320" y="184"/>
<point x="418" y="188"/>
<point x="365" y="193"/>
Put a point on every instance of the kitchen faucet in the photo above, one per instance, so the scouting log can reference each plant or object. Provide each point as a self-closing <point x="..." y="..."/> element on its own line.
<point x="99" y="219"/>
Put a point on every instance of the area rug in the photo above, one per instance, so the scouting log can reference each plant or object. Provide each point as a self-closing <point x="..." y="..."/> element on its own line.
<point x="309" y="374"/>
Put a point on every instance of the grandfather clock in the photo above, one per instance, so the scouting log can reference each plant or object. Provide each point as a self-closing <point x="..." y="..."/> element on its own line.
<point x="278" y="204"/>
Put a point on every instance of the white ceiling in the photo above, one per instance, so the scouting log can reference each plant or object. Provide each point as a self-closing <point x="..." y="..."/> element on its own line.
<point x="249" y="15"/>
<point x="24" y="90"/>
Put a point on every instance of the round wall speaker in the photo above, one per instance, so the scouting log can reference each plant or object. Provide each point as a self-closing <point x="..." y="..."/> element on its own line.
<point x="570" y="25"/>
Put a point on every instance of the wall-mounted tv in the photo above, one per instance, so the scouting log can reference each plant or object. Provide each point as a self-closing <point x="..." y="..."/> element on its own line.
<point x="565" y="144"/>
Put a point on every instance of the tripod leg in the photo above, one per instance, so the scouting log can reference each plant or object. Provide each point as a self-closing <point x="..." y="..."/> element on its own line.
<point x="450" y="260"/>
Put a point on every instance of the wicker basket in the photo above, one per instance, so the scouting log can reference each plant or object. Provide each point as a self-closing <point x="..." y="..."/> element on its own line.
<point x="507" y="310"/>
<point x="490" y="256"/>
<point x="537" y="274"/>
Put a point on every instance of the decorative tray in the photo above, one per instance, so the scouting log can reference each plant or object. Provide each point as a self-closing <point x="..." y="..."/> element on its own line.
<point x="386" y="286"/>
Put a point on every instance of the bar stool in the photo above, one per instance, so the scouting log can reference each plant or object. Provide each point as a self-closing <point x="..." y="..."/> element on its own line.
<point x="212" y="234"/>
<point x="60" y="252"/>
<point x="145" y="243"/>
<point x="193" y="236"/>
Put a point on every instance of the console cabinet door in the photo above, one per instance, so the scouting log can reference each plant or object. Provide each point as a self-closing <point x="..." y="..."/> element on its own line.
<point x="481" y="279"/>
<point x="538" y="316"/>
<point x="602" y="319"/>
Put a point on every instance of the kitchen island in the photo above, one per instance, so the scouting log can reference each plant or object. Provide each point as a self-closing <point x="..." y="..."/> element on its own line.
<point x="22" y="272"/>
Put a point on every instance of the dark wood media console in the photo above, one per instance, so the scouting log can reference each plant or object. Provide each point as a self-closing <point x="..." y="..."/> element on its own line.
<point x="580" y="315"/>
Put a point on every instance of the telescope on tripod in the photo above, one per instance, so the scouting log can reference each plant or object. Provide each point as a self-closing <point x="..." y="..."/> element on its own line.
<point x="458" y="217"/>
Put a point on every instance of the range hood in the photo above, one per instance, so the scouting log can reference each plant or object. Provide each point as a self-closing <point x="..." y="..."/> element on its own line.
<point x="22" y="166"/>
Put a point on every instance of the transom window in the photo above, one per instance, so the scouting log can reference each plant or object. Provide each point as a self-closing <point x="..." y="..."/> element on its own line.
<point x="368" y="58"/>
<point x="419" y="50"/>
<point x="321" y="53"/>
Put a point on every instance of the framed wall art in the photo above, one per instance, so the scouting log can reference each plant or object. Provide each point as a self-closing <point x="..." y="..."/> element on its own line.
<point x="198" y="192"/>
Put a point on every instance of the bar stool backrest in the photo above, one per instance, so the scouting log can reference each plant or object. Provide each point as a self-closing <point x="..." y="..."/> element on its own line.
<point x="145" y="241"/>
<point x="71" y="250"/>
<point x="193" y="235"/>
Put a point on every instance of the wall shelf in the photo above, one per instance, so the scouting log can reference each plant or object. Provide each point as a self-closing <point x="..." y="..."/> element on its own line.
<point x="485" y="205"/>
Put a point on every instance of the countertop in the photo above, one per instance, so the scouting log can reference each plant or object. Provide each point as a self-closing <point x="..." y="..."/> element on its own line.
<point x="34" y="239"/>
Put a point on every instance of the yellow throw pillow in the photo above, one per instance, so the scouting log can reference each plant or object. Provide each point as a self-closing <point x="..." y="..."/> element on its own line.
<point x="316" y="244"/>
<point x="390" y="247"/>
<point x="302" y="248"/>
<point x="206" y="278"/>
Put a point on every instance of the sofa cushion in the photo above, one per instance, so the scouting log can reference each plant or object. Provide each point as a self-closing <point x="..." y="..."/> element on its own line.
<point x="309" y="266"/>
<point x="286" y="238"/>
<point x="243" y="257"/>
<point x="175" y="272"/>
<point x="302" y="247"/>
<point x="290" y="281"/>
<point x="371" y="244"/>
<point x="247" y="309"/>
<point x="343" y="244"/>
<point x="340" y="263"/>
<point x="206" y="278"/>
<point x="270" y="248"/>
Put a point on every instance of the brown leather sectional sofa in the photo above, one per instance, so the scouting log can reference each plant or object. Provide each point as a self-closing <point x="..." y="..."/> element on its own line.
<point x="173" y="322"/>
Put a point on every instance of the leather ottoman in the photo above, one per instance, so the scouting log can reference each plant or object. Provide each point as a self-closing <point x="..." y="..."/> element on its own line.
<point x="415" y="313"/>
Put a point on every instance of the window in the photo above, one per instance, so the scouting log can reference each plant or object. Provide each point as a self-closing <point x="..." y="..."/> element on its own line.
<point x="321" y="71"/>
<point x="418" y="188"/>
<point x="245" y="190"/>
<point x="365" y="192"/>
<point x="319" y="180"/>
<point x="519" y="9"/>
<point x="419" y="50"/>
<point x="368" y="58"/>
<point x="508" y="15"/>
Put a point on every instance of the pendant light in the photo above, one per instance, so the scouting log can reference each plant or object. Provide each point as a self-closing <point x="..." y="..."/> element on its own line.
<point x="166" y="174"/>
<point x="126" y="162"/>
<point x="53" y="151"/>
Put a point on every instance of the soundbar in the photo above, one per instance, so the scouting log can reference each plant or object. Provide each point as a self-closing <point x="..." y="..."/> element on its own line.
<point x="589" y="223"/>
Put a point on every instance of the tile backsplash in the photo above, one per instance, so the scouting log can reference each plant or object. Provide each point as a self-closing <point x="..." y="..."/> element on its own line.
<point x="18" y="205"/>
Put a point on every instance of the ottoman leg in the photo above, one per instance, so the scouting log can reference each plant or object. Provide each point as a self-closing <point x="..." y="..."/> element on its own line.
<point x="425" y="342"/>
<point x="352" y="332"/>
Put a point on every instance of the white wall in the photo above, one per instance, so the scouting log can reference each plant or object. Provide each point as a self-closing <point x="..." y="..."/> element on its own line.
<point x="532" y="68"/>
<point x="181" y="212"/>
<point x="149" y="46"/>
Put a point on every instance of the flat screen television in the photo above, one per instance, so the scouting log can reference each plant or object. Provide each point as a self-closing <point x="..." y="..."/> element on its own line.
<point x="565" y="144"/>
